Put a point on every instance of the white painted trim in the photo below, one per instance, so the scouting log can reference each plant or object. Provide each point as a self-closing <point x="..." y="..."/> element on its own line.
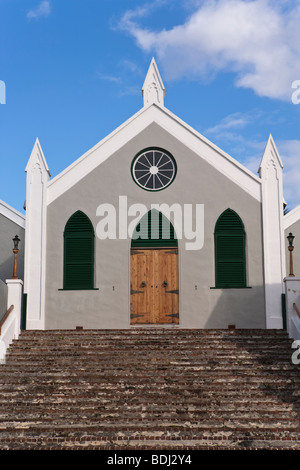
<point x="38" y="176"/>
<point x="42" y="159"/>
<point x="153" y="89"/>
<point x="270" y="171"/>
<point x="12" y="214"/>
<point x="11" y="328"/>
<point x="220" y="160"/>
<point x="291" y="218"/>
<point x="271" y="143"/>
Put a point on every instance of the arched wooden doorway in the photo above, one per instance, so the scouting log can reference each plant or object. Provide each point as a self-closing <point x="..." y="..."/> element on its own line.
<point x="154" y="293"/>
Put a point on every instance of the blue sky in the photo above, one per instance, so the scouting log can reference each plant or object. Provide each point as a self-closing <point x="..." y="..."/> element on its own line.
<point x="74" y="70"/>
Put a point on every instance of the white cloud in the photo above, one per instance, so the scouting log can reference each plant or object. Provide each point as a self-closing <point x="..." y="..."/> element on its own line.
<point x="109" y="78"/>
<point x="248" y="148"/>
<point x="42" y="10"/>
<point x="258" y="40"/>
<point x="132" y="67"/>
<point x="232" y="121"/>
<point x="233" y="133"/>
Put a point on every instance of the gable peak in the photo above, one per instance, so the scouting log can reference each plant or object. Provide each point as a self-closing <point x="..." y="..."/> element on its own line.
<point x="270" y="156"/>
<point x="37" y="160"/>
<point x="153" y="89"/>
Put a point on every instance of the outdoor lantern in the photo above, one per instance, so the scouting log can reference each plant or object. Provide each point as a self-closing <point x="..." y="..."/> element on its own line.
<point x="290" y="238"/>
<point x="16" y="241"/>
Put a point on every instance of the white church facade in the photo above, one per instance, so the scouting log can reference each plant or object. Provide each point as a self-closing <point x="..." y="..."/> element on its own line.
<point x="155" y="226"/>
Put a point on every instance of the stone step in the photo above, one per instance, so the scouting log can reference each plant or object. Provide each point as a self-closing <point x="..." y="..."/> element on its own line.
<point x="101" y="400"/>
<point x="195" y="385"/>
<point x="114" y="409"/>
<point x="111" y="394"/>
<point x="150" y="388"/>
<point x="192" y="375"/>
<point x="234" y="362"/>
<point x="81" y="361"/>
<point x="209" y="425"/>
<point x="152" y="331"/>
<point x="179" y="355"/>
<point x="153" y="444"/>
<point x="138" y="387"/>
<point x="154" y="337"/>
<point x="119" y="414"/>
<point x="163" y="369"/>
<point x="177" y="350"/>
<point x="163" y="356"/>
<point x="157" y="341"/>
<point x="173" y="342"/>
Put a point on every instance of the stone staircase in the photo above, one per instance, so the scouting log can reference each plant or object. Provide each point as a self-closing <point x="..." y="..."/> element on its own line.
<point x="161" y="389"/>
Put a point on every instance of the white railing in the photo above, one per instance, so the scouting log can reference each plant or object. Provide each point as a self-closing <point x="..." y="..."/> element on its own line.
<point x="292" y="299"/>
<point x="297" y="310"/>
<point x="3" y="299"/>
<point x="10" y="325"/>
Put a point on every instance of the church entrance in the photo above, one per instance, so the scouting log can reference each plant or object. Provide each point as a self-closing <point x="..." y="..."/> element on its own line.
<point x="154" y="287"/>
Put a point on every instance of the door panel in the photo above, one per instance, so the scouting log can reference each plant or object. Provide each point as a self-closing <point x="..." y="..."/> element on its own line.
<point x="154" y="286"/>
<point x="168" y="295"/>
<point x="141" y="293"/>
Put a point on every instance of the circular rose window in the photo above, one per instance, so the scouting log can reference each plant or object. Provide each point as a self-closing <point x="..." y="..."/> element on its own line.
<point x="153" y="169"/>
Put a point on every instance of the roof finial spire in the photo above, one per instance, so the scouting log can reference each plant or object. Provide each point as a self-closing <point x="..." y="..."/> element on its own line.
<point x="153" y="88"/>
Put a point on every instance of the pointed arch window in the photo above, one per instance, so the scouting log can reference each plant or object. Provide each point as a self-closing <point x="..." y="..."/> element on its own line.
<point x="154" y="230"/>
<point x="230" y="251"/>
<point x="79" y="253"/>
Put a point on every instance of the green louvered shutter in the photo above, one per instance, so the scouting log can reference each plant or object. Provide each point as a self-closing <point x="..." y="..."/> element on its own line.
<point x="79" y="253"/>
<point x="154" y="230"/>
<point x="230" y="258"/>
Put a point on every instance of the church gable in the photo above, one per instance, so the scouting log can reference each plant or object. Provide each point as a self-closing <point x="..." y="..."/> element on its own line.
<point x="153" y="167"/>
<point x="157" y="161"/>
<point x="154" y="112"/>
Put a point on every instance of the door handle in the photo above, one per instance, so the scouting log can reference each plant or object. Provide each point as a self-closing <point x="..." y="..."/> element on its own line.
<point x="143" y="284"/>
<point x="164" y="284"/>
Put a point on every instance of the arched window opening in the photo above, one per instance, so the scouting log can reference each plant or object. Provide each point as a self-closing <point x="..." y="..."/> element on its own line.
<point x="79" y="253"/>
<point x="230" y="251"/>
<point x="153" y="231"/>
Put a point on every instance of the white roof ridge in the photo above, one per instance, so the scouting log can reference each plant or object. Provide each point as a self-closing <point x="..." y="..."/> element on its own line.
<point x="12" y="214"/>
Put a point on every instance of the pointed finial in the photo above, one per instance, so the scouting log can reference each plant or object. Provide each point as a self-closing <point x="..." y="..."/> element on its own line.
<point x="153" y="88"/>
<point x="37" y="159"/>
<point x="270" y="157"/>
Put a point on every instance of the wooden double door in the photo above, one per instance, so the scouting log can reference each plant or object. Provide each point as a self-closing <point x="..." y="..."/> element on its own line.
<point x="154" y="286"/>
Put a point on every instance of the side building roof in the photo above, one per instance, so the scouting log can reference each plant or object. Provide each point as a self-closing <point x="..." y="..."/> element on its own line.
<point x="12" y="214"/>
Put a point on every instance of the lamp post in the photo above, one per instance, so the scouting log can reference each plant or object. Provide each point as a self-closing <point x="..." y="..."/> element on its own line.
<point x="16" y="241"/>
<point x="290" y="238"/>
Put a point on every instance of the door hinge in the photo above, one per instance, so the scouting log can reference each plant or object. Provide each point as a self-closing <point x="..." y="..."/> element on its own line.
<point x="136" y="291"/>
<point x="135" y="315"/>
<point x="172" y="291"/>
<point x="135" y="252"/>
<point x="174" y="315"/>
<point x="173" y="251"/>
